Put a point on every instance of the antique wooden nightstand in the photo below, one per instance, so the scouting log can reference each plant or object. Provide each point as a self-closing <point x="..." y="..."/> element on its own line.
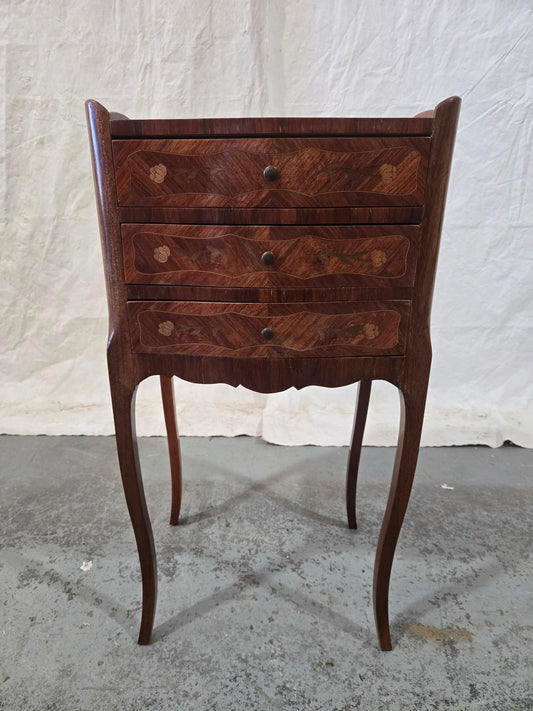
<point x="271" y="253"/>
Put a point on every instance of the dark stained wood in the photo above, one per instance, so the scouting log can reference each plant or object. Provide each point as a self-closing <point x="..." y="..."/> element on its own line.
<point x="122" y="372"/>
<point x="151" y="292"/>
<point x="299" y="330"/>
<point x="123" y="399"/>
<point x="345" y="298"/>
<point x="271" y="375"/>
<point x="413" y="400"/>
<point x="215" y="255"/>
<point x="361" y="410"/>
<point x="238" y="127"/>
<point x="312" y="172"/>
<point x="169" y="409"/>
<point x="414" y="379"/>
<point x="410" y="215"/>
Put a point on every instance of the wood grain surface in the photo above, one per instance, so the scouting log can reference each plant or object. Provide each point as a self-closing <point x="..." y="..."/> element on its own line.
<point x="405" y="215"/>
<point x="122" y="127"/>
<point x="234" y="255"/>
<point x="298" y="330"/>
<point x="351" y="219"/>
<point x="312" y="172"/>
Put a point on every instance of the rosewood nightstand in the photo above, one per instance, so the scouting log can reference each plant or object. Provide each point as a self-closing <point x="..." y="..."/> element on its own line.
<point x="271" y="253"/>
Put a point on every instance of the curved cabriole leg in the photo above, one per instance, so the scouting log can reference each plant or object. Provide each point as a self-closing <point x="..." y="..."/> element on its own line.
<point x="123" y="397"/>
<point x="412" y="415"/>
<point x="167" y="393"/>
<point x="361" y="410"/>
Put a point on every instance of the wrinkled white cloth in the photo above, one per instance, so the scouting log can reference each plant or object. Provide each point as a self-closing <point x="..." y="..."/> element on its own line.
<point x="265" y="57"/>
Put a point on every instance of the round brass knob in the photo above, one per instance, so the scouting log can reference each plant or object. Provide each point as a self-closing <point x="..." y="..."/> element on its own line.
<point x="268" y="258"/>
<point x="270" y="173"/>
<point x="268" y="334"/>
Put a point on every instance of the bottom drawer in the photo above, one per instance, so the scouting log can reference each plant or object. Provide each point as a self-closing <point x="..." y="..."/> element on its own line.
<point x="269" y="330"/>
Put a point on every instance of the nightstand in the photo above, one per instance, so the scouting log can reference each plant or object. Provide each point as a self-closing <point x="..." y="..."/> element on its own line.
<point x="271" y="253"/>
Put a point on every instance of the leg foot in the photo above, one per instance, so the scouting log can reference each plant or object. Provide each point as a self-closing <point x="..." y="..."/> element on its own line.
<point x="169" y="409"/>
<point x="123" y="397"/>
<point x="412" y="415"/>
<point x="361" y="410"/>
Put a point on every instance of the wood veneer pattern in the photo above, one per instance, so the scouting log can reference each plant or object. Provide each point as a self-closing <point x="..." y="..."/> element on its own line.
<point x="122" y="127"/>
<point x="320" y="172"/>
<point x="409" y="372"/>
<point x="226" y="255"/>
<point x="299" y="330"/>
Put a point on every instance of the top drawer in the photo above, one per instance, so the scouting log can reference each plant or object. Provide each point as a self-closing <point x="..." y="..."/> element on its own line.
<point x="302" y="172"/>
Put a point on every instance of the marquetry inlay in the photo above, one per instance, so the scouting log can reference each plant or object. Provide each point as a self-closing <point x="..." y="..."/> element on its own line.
<point x="158" y="173"/>
<point x="166" y="328"/>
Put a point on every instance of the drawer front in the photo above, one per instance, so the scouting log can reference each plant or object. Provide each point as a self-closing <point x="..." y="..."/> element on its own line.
<point x="239" y="256"/>
<point x="303" y="172"/>
<point x="269" y="330"/>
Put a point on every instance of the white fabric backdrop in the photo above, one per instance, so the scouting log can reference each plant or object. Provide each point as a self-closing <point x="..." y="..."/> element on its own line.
<point x="171" y="58"/>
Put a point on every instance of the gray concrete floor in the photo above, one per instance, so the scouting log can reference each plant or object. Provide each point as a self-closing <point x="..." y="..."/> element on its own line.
<point x="265" y="595"/>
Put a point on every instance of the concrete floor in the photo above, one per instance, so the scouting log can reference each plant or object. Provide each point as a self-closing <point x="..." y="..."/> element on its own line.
<point x="265" y="595"/>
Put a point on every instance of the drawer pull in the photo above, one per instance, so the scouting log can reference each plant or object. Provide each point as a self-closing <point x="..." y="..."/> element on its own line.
<point x="270" y="173"/>
<point x="268" y="258"/>
<point x="268" y="334"/>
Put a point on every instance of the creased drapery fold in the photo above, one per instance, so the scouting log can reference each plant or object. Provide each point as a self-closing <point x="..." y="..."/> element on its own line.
<point x="242" y="58"/>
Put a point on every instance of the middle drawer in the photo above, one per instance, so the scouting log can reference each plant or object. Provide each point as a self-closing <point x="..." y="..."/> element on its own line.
<point x="270" y="256"/>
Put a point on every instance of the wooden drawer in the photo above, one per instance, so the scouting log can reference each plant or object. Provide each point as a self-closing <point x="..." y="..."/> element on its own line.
<point x="270" y="256"/>
<point x="309" y="172"/>
<point x="269" y="330"/>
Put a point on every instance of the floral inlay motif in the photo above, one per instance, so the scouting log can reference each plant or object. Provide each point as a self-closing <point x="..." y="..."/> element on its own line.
<point x="158" y="173"/>
<point x="371" y="331"/>
<point x="165" y="328"/>
<point x="214" y="254"/>
<point x="351" y="173"/>
<point x="161" y="254"/>
<point x="355" y="334"/>
<point x="188" y="174"/>
<point x="378" y="257"/>
<point x="388" y="172"/>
